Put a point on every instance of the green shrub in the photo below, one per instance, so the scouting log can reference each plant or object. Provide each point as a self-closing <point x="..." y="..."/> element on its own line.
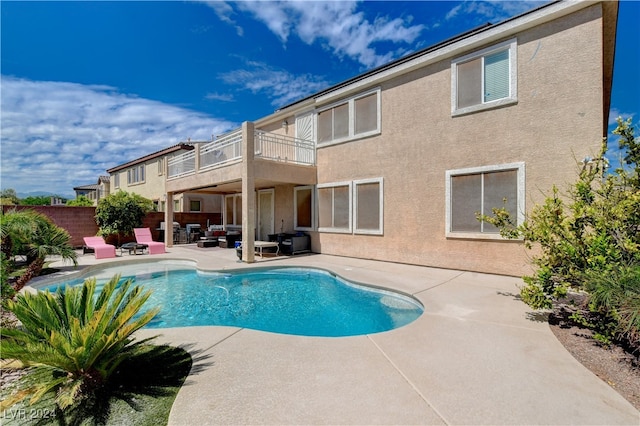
<point x="588" y="239"/>
<point x="33" y="235"/>
<point x="615" y="297"/>
<point x="73" y="339"/>
<point x="119" y="213"/>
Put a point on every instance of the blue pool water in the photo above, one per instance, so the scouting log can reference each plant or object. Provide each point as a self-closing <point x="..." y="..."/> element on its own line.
<point x="299" y="301"/>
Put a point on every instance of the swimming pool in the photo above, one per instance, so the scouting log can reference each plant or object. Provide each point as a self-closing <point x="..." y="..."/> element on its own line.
<point x="300" y="301"/>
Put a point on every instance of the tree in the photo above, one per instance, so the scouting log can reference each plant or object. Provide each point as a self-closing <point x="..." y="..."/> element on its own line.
<point x="589" y="240"/>
<point x="121" y="212"/>
<point x="39" y="200"/>
<point x="9" y="197"/>
<point x="74" y="340"/>
<point x="80" y="201"/>
<point x="32" y="234"/>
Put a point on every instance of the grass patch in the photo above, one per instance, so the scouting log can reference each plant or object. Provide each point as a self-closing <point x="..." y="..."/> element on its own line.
<point x="141" y="392"/>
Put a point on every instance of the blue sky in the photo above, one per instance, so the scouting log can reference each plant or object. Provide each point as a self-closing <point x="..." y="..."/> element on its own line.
<point x="86" y="86"/>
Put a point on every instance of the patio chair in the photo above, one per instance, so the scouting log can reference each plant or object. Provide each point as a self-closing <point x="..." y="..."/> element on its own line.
<point x="143" y="236"/>
<point x="101" y="249"/>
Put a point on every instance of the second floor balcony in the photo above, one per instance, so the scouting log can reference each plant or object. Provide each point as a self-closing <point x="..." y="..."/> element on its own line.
<point x="227" y="149"/>
<point x="275" y="157"/>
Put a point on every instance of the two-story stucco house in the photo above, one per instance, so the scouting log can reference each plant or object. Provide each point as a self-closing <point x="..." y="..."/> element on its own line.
<point x="95" y="191"/>
<point x="145" y="176"/>
<point x="394" y="164"/>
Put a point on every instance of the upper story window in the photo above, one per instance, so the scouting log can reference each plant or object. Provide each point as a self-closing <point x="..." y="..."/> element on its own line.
<point x="350" y="119"/>
<point x="479" y="190"/>
<point x="484" y="79"/>
<point x="135" y="174"/>
<point x="116" y="180"/>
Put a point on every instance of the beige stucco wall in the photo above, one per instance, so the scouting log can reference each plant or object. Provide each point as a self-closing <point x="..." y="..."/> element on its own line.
<point x="557" y="120"/>
<point x="152" y="187"/>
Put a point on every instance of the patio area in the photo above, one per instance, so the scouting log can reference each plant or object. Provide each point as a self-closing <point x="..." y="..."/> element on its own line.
<point x="477" y="355"/>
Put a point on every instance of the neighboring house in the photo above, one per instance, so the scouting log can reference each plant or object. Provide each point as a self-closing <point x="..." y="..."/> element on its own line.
<point x="145" y="176"/>
<point x="394" y="164"/>
<point x="95" y="191"/>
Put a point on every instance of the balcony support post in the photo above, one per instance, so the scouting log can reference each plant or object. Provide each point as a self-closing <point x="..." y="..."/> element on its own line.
<point x="168" y="220"/>
<point x="248" y="193"/>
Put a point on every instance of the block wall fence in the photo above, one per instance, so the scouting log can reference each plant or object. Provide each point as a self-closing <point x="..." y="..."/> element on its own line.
<point x="80" y="222"/>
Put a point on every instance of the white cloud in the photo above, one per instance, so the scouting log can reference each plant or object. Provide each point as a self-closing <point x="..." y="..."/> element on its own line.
<point x="282" y="86"/>
<point x="224" y="97"/>
<point x="336" y="25"/>
<point x="614" y="113"/>
<point x="482" y="11"/>
<point x="225" y="13"/>
<point x="57" y="135"/>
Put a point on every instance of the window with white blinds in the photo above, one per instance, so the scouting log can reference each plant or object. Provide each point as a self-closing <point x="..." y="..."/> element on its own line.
<point x="479" y="190"/>
<point x="351" y="207"/>
<point x="484" y="79"/>
<point x="353" y="118"/>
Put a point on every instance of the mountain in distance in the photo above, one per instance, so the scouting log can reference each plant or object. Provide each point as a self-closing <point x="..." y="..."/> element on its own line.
<point x="23" y="195"/>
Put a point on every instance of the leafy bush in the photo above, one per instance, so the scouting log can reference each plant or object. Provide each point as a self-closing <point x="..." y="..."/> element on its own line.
<point x="74" y="340"/>
<point x="80" y="201"/>
<point x="589" y="239"/>
<point x="33" y="235"/>
<point x="615" y="297"/>
<point x="6" y="290"/>
<point x="119" y="213"/>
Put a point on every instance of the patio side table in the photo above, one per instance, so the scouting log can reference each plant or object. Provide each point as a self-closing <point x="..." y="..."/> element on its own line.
<point x="133" y="248"/>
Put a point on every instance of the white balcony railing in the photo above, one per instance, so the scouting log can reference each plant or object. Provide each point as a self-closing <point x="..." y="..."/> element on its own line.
<point x="227" y="149"/>
<point x="182" y="165"/>
<point x="272" y="146"/>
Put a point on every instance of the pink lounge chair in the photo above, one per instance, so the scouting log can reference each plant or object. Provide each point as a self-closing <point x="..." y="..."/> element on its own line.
<point x="101" y="249"/>
<point x="143" y="236"/>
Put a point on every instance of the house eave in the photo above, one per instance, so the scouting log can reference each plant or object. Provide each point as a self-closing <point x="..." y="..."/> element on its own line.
<point x="494" y="33"/>
<point x="161" y="153"/>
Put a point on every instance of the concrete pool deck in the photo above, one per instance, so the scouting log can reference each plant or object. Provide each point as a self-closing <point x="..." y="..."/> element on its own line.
<point x="477" y="355"/>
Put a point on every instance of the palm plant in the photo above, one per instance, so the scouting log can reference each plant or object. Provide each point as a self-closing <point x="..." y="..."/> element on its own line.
<point x="33" y="234"/>
<point x="74" y="340"/>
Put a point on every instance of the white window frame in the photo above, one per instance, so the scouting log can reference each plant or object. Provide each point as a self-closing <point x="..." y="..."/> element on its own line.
<point x="199" y="200"/>
<point x="510" y="45"/>
<point x="519" y="167"/>
<point x="136" y="175"/>
<point x="116" y="180"/>
<point x="237" y="215"/>
<point x="380" y="230"/>
<point x="160" y="166"/>
<point x="349" y="229"/>
<point x="296" y="227"/>
<point x="352" y="118"/>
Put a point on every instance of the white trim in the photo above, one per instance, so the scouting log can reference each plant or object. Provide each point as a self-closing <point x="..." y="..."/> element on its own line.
<point x="349" y="229"/>
<point x="521" y="178"/>
<point x="512" y="46"/>
<point x="198" y="199"/>
<point x="380" y="230"/>
<point x="351" y="112"/>
<point x="295" y="208"/>
<point x="259" y="225"/>
<point x="237" y="216"/>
